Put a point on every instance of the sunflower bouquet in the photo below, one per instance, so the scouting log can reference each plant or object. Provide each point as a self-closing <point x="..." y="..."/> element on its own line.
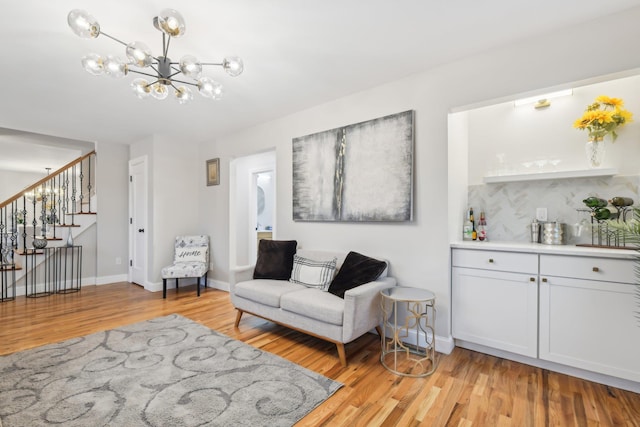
<point x="603" y="117"/>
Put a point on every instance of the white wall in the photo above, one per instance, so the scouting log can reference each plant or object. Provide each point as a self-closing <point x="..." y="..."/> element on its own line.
<point x="528" y="139"/>
<point x="419" y="251"/>
<point x="112" y="184"/>
<point x="12" y="182"/>
<point x="174" y="171"/>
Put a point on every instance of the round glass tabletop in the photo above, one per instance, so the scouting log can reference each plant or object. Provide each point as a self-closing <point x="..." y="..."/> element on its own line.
<point x="406" y="293"/>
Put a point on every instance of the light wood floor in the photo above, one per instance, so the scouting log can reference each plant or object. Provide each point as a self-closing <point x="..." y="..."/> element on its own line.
<point x="467" y="389"/>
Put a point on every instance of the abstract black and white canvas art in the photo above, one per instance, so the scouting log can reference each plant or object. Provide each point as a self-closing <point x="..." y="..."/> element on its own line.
<point x="360" y="172"/>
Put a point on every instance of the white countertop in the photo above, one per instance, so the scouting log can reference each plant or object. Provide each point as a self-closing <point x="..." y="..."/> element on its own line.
<point x="539" y="248"/>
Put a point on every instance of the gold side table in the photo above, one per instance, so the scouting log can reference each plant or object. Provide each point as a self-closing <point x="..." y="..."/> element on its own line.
<point x="407" y="312"/>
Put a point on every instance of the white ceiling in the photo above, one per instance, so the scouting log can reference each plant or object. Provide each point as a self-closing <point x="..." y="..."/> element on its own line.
<point x="296" y="53"/>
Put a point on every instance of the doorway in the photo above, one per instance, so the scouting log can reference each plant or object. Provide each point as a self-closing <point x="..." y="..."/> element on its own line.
<point x="138" y="197"/>
<point x="252" y="207"/>
<point x="262" y="209"/>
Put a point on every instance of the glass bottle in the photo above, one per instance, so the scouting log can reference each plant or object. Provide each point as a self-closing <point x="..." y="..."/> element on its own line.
<point x="474" y="233"/>
<point x="467" y="226"/>
<point x="595" y="202"/>
<point x="482" y="228"/>
<point x="621" y="201"/>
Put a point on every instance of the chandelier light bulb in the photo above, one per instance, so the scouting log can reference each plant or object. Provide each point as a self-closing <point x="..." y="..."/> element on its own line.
<point x="233" y="66"/>
<point x="159" y="91"/>
<point x="115" y="67"/>
<point x="141" y="88"/>
<point x="139" y="54"/>
<point x="209" y="88"/>
<point x="183" y="95"/>
<point x="83" y="24"/>
<point x="93" y="63"/>
<point x="170" y="22"/>
<point x="190" y="66"/>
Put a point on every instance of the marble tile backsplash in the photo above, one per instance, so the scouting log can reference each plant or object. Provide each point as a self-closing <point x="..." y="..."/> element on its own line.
<point x="510" y="207"/>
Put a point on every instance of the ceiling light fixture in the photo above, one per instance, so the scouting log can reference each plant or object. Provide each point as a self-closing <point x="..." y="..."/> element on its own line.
<point x="171" y="24"/>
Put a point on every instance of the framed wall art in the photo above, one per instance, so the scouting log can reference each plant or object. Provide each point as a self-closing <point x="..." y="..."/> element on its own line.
<point x="359" y="172"/>
<point x="213" y="171"/>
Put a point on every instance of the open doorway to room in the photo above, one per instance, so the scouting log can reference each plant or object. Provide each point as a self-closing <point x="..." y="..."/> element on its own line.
<point x="252" y="205"/>
<point x="263" y="196"/>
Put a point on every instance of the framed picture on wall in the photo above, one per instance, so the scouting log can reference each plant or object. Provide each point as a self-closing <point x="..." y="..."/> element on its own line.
<point x="213" y="171"/>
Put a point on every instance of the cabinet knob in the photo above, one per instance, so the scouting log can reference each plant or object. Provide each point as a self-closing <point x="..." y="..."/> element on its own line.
<point x="544" y="279"/>
<point x="532" y="279"/>
<point x="490" y="260"/>
<point x="595" y="269"/>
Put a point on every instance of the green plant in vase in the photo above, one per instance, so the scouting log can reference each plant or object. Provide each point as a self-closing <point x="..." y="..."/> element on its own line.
<point x="631" y="230"/>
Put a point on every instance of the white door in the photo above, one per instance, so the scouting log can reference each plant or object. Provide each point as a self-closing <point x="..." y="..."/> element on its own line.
<point x="138" y="221"/>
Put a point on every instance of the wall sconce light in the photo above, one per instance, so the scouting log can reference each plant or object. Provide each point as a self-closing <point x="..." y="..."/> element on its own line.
<point x="542" y="101"/>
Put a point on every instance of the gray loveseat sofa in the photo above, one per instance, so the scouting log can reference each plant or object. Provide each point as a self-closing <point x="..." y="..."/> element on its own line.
<point x="312" y="310"/>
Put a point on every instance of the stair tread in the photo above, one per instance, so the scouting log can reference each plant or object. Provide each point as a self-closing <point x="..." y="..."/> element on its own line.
<point x="7" y="267"/>
<point x="29" y="251"/>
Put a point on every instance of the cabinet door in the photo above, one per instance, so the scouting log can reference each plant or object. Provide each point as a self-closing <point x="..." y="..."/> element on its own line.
<point x="590" y="325"/>
<point x="496" y="309"/>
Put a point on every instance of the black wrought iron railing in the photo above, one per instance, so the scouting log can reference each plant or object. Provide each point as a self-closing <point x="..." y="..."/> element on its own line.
<point x="39" y="212"/>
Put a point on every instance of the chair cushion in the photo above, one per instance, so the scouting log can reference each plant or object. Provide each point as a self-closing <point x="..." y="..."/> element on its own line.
<point x="316" y="304"/>
<point x="184" y="269"/>
<point x="266" y="291"/>
<point x="356" y="270"/>
<point x="313" y="274"/>
<point x="275" y="259"/>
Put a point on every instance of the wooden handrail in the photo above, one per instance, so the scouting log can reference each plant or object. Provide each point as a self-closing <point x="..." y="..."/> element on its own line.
<point x="45" y="179"/>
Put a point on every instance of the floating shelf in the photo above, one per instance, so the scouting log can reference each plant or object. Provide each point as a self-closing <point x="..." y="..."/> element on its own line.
<point x="588" y="173"/>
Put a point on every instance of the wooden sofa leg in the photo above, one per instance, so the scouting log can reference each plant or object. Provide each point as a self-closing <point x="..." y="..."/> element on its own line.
<point x="164" y="288"/>
<point x="341" y="354"/>
<point x="379" y="330"/>
<point x="238" y="316"/>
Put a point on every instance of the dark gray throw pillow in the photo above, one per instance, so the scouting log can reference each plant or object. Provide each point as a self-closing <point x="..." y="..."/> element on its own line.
<point x="356" y="270"/>
<point x="275" y="259"/>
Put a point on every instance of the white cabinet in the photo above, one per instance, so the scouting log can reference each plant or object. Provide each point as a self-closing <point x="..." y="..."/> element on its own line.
<point x="588" y="314"/>
<point x="495" y="299"/>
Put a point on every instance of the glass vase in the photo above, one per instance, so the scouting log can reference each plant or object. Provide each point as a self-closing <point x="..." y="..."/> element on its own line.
<point x="595" y="150"/>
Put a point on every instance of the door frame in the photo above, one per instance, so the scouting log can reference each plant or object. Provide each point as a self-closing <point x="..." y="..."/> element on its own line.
<point x="143" y="162"/>
<point x="240" y="169"/>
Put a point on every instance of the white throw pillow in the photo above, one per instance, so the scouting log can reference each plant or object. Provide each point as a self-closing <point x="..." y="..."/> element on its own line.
<point x="313" y="274"/>
<point x="193" y="254"/>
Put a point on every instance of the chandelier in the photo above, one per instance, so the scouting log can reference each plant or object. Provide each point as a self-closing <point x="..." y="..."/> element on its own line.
<point x="161" y="69"/>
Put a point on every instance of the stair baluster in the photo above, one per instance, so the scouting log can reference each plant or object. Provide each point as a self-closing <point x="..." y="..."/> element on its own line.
<point x="45" y="204"/>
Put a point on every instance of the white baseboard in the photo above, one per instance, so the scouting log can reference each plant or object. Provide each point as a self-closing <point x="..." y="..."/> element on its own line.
<point x="40" y="287"/>
<point x="171" y="284"/>
<point x="107" y="280"/>
<point x="218" y="284"/>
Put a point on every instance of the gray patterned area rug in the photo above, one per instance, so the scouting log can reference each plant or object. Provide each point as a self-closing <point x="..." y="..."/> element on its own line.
<point x="168" y="371"/>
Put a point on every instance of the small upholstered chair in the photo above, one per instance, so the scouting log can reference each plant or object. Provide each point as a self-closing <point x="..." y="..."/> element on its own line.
<point x="191" y="259"/>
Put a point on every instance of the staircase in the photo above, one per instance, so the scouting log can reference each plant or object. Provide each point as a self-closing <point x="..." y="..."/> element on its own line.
<point x="62" y="203"/>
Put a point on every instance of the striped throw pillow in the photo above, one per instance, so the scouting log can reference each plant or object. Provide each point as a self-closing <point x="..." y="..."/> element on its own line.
<point x="313" y="274"/>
